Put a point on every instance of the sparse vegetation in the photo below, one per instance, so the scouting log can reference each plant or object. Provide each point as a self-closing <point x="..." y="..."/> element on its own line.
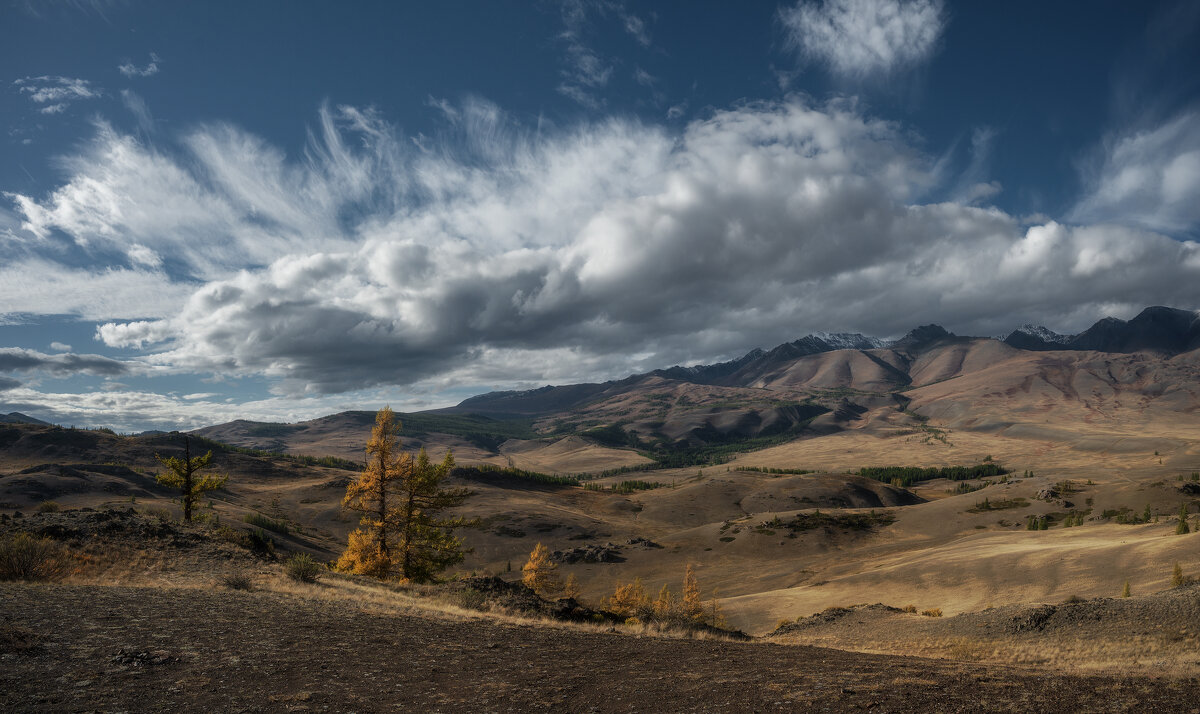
<point x="258" y="541"/>
<point x="237" y="581"/>
<point x="489" y="472"/>
<point x="842" y="521"/>
<point x="905" y="476"/>
<point x="270" y="524"/>
<point x="48" y="507"/>
<point x="1001" y="504"/>
<point x="26" y="557"/>
<point x="1178" y="579"/>
<point x="1182" y="527"/>
<point x="776" y="471"/>
<point x="303" y="568"/>
<point x="932" y="612"/>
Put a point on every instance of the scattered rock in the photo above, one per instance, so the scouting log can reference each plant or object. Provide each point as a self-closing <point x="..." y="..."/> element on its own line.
<point x="143" y="658"/>
<point x="607" y="553"/>
<point x="1033" y="620"/>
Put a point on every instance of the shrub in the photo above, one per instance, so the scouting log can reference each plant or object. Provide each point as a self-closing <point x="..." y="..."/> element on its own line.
<point x="1125" y="590"/>
<point x="237" y="581"/>
<point x="23" y="557"/>
<point x="910" y="608"/>
<point x="301" y="567"/>
<point x="1178" y="579"/>
<point x="257" y="519"/>
<point x="933" y="612"/>
<point x="48" y="507"/>
<point x="472" y="599"/>
<point x="259" y="542"/>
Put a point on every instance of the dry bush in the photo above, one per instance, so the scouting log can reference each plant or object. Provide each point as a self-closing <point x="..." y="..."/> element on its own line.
<point x="932" y="612"/>
<point x="23" y="557"/>
<point x="49" y="507"/>
<point x="237" y="581"/>
<point x="910" y="608"/>
<point x="302" y="568"/>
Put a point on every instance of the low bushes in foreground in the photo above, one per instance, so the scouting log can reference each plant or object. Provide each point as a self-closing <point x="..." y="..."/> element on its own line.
<point x="24" y="557"/>
<point x="302" y="568"/>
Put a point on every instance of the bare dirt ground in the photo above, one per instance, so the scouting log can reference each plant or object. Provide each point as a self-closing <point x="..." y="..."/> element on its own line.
<point x="91" y="648"/>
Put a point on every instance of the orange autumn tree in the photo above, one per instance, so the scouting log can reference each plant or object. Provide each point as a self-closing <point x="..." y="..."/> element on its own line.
<point x="540" y="574"/>
<point x="400" y="498"/>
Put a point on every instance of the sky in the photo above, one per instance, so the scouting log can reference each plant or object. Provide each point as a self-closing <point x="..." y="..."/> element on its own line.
<point x="276" y="210"/>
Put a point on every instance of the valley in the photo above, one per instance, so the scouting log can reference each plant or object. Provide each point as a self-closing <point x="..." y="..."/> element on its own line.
<point x="750" y="472"/>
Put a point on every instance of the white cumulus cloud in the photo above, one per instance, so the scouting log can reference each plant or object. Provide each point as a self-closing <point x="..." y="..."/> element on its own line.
<point x="506" y="256"/>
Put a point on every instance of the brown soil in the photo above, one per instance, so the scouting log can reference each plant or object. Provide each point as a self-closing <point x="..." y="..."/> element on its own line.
<point x="184" y="650"/>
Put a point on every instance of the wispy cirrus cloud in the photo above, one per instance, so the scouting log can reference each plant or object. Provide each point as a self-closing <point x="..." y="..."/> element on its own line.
<point x="861" y="38"/>
<point x="54" y="94"/>
<point x="586" y="71"/>
<point x="1147" y="177"/>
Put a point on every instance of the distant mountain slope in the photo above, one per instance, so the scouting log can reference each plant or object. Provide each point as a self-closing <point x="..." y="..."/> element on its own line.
<point x="1159" y="329"/>
<point x="19" y="418"/>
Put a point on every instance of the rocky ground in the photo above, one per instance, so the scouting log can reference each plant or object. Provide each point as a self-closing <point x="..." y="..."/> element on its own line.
<point x="87" y="648"/>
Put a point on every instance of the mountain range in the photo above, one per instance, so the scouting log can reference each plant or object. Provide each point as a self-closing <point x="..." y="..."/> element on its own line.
<point x="1161" y="330"/>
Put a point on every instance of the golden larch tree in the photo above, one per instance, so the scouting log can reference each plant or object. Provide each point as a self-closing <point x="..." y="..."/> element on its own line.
<point x="630" y="600"/>
<point x="400" y="499"/>
<point x="690" y="606"/>
<point x="664" y="605"/>
<point x="184" y="474"/>
<point x="540" y="573"/>
<point x="571" y="587"/>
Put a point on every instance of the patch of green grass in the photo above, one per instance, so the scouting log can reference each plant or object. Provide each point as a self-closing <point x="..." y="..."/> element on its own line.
<point x="261" y="521"/>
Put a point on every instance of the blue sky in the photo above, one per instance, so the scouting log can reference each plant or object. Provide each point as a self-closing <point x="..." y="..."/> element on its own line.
<point x="276" y="210"/>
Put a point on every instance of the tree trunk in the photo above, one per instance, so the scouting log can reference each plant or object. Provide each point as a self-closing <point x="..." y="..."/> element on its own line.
<point x="187" y="480"/>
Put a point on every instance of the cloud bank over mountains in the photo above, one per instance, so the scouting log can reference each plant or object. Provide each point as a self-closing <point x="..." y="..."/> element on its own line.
<point x="501" y="255"/>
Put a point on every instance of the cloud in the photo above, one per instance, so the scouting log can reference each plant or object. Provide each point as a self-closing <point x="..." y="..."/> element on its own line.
<point x="1148" y="177"/>
<point x="861" y="38"/>
<point x="40" y="286"/>
<point x="129" y="69"/>
<point x="60" y="347"/>
<point x="55" y="94"/>
<point x="7" y="383"/>
<point x="16" y="359"/>
<point x="137" y="106"/>
<point x="506" y="256"/>
<point x="585" y="71"/>
<point x="973" y="185"/>
<point x="118" y="407"/>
